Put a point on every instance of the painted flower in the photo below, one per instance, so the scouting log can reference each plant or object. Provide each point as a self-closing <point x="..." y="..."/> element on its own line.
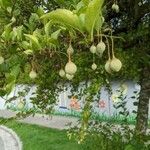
<point x="102" y="104"/>
<point x="74" y="104"/>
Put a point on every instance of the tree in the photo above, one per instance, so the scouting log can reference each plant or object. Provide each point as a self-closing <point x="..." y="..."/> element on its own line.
<point x="30" y="39"/>
<point x="132" y="23"/>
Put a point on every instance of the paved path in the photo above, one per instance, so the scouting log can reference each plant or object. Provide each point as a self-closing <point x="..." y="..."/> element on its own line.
<point x="58" y="122"/>
<point x="1" y="144"/>
<point x="9" y="140"/>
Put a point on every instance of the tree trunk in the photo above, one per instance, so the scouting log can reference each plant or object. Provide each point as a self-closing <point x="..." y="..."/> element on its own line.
<point x="143" y="106"/>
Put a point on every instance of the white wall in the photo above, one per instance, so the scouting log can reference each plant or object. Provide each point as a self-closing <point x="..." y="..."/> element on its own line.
<point x="64" y="101"/>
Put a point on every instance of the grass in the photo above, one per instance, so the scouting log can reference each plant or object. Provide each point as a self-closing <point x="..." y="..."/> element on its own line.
<point x="115" y="118"/>
<point x="40" y="138"/>
<point x="35" y="137"/>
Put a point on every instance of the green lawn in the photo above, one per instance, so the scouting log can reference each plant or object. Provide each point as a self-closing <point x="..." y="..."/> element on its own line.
<point x="40" y="138"/>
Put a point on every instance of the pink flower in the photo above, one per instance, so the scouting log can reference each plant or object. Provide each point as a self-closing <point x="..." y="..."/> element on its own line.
<point x="74" y="104"/>
<point x="102" y="104"/>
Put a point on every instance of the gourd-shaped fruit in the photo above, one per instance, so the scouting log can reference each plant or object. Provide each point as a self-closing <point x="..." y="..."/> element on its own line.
<point x="115" y="7"/>
<point x="62" y="73"/>
<point x="107" y="66"/>
<point x="115" y="64"/>
<point x="32" y="74"/>
<point x="100" y="48"/>
<point x="94" y="66"/>
<point x="93" y="49"/>
<point x="1" y="60"/>
<point x="70" y="68"/>
<point x="69" y="77"/>
<point x="70" y="50"/>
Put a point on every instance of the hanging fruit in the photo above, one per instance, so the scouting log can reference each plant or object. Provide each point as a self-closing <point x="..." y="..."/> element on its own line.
<point x="70" y="50"/>
<point x="32" y="74"/>
<point x="100" y="48"/>
<point x="1" y="60"/>
<point x="62" y="73"/>
<point x="115" y="64"/>
<point x="107" y="66"/>
<point x="70" y="68"/>
<point x="94" y="66"/>
<point x="115" y="7"/>
<point x="93" y="49"/>
<point x="69" y="77"/>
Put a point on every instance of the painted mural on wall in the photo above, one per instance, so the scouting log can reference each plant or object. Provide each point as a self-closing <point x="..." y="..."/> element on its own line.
<point x="126" y="93"/>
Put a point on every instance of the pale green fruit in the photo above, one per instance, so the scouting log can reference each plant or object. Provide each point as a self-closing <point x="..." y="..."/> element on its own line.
<point x="115" y="7"/>
<point x="93" y="49"/>
<point x="1" y="60"/>
<point x="62" y="73"/>
<point x="32" y="74"/>
<point x="69" y="77"/>
<point x="94" y="66"/>
<point x="115" y="64"/>
<point x="107" y="66"/>
<point x="100" y="48"/>
<point x="70" y="50"/>
<point x="70" y="68"/>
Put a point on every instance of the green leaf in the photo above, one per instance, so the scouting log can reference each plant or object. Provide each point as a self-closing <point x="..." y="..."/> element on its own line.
<point x="79" y="5"/>
<point x="129" y="147"/>
<point x="92" y="14"/>
<point x="56" y="34"/>
<point x="28" y="52"/>
<point x="86" y="2"/>
<point x="16" y="34"/>
<point x="11" y="78"/>
<point x="35" y="43"/>
<point x="40" y="11"/>
<point x="15" y="71"/>
<point x="98" y="24"/>
<point x="47" y="28"/>
<point x="25" y="45"/>
<point x="5" y="3"/>
<point x="10" y="86"/>
<point x="7" y="32"/>
<point x="19" y="32"/>
<point x="64" y="17"/>
<point x="82" y="19"/>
